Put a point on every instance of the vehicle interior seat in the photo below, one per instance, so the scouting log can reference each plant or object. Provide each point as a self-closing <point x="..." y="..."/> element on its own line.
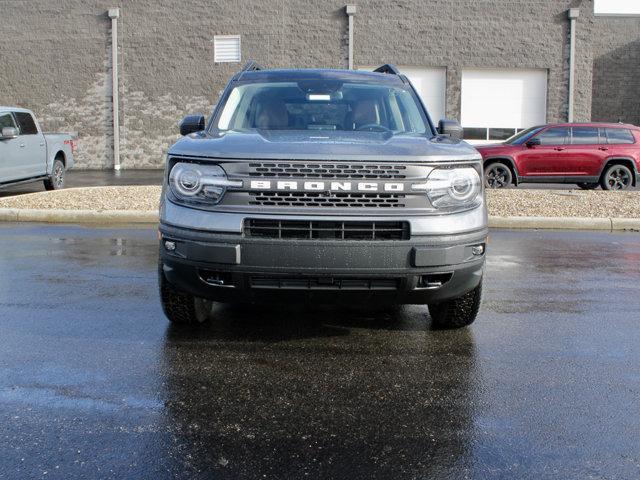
<point x="365" y="112"/>
<point x="273" y="115"/>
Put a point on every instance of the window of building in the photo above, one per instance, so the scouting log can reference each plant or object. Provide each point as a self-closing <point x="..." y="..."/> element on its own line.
<point x="226" y="48"/>
<point x="26" y="123"/>
<point x="619" y="135"/>
<point x="501" y="133"/>
<point x="475" y="133"/>
<point x="554" y="136"/>
<point x="483" y="133"/>
<point x="584" y="136"/>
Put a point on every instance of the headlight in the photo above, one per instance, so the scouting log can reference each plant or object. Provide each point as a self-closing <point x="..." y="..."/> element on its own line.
<point x="198" y="183"/>
<point x="454" y="187"/>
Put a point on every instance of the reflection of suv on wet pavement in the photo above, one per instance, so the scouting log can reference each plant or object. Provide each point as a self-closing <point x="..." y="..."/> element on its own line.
<point x="322" y="186"/>
<point x="587" y="154"/>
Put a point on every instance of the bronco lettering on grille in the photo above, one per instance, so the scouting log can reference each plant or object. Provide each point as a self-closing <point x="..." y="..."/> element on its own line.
<point x="320" y="186"/>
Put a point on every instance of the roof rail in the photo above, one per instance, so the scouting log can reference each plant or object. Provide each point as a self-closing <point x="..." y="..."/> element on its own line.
<point x="389" y="68"/>
<point x="251" y="66"/>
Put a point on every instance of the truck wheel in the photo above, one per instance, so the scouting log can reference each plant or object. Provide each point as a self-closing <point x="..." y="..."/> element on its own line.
<point x="588" y="186"/>
<point x="56" y="180"/>
<point x="458" y="312"/>
<point x="181" y="307"/>
<point x="497" y="175"/>
<point x="617" y="177"/>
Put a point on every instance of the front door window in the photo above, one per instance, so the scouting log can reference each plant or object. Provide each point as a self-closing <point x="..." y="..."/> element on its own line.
<point x="554" y="136"/>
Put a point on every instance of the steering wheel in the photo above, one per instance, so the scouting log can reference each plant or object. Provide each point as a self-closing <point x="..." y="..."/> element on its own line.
<point x="373" y="127"/>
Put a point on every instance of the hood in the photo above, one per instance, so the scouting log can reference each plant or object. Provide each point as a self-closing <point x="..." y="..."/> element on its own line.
<point x="318" y="145"/>
<point x="496" y="147"/>
<point x="491" y="145"/>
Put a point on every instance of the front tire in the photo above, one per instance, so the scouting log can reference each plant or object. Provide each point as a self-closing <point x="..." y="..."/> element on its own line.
<point x="497" y="175"/>
<point x="617" y="177"/>
<point x="457" y="312"/>
<point x="57" y="179"/>
<point x="181" y="307"/>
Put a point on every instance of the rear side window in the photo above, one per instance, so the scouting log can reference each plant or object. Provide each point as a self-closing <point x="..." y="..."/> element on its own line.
<point x="554" y="136"/>
<point x="6" y="121"/>
<point x="619" y="135"/>
<point x="26" y="123"/>
<point x="584" y="135"/>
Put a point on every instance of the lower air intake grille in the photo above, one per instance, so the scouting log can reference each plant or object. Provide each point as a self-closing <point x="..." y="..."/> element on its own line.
<point x="305" y="199"/>
<point x="326" y="230"/>
<point x="324" y="283"/>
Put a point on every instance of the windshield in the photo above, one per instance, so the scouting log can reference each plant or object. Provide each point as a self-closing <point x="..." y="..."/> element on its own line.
<point x="523" y="136"/>
<point x="323" y="105"/>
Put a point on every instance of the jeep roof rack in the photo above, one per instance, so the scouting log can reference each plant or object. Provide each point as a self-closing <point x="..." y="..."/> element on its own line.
<point x="389" y="68"/>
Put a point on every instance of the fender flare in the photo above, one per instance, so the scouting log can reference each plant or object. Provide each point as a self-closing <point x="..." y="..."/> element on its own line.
<point x="615" y="158"/>
<point x="51" y="160"/>
<point x="504" y="159"/>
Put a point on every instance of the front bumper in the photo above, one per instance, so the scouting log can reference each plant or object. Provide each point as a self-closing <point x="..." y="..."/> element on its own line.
<point x="232" y="268"/>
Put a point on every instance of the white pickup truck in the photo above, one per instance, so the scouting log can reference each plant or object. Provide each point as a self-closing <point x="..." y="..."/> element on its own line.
<point x="28" y="155"/>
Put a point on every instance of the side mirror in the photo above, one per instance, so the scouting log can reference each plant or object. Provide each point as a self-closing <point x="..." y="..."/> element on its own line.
<point x="8" y="133"/>
<point x="450" y="127"/>
<point x="532" y="142"/>
<point x="191" y="123"/>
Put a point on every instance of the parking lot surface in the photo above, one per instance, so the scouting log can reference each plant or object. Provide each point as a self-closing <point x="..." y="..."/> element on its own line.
<point x="94" y="383"/>
<point x="93" y="178"/>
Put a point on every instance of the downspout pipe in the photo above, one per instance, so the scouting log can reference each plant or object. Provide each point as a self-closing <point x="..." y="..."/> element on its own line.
<point x="351" y="11"/>
<point x="114" y="13"/>
<point x="572" y="13"/>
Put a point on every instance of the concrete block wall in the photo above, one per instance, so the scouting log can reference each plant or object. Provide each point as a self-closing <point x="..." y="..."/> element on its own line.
<point x="616" y="70"/>
<point x="62" y="66"/>
<point x="54" y="59"/>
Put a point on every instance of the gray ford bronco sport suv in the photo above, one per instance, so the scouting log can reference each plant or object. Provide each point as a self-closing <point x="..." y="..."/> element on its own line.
<point x="322" y="186"/>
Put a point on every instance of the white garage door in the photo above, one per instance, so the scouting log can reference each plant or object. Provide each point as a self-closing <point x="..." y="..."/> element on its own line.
<point x="430" y="83"/>
<point x="498" y="102"/>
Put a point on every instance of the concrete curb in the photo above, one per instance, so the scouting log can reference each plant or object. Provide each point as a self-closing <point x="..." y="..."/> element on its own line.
<point x="561" y="223"/>
<point x="119" y="217"/>
<point x="567" y="223"/>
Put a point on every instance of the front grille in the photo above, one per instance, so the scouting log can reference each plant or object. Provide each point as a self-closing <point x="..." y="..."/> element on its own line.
<point x="326" y="230"/>
<point x="324" y="283"/>
<point x="327" y="170"/>
<point x="313" y="199"/>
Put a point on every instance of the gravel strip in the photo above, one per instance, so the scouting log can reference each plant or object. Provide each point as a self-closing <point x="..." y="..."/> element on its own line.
<point x="503" y="203"/>
<point x="563" y="203"/>
<point x="89" y="198"/>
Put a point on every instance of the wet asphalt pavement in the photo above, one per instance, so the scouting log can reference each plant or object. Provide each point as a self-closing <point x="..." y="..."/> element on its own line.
<point x="94" y="383"/>
<point x="93" y="178"/>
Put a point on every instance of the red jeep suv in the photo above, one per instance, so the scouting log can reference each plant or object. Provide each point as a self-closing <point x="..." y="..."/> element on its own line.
<point x="587" y="154"/>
